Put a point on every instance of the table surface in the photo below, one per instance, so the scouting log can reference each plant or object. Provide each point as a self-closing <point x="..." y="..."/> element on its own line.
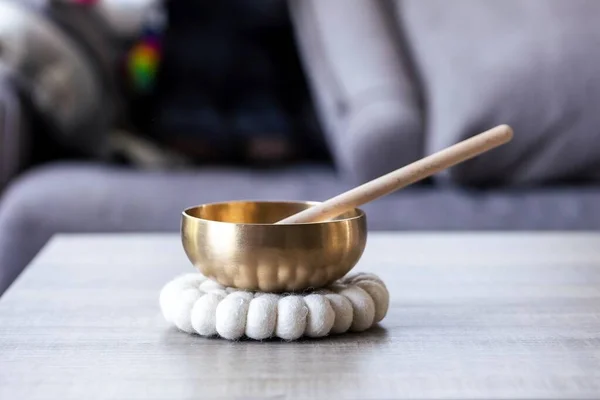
<point x="491" y="315"/>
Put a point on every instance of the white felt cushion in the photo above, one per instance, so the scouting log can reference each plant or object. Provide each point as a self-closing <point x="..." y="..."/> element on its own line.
<point x="195" y="304"/>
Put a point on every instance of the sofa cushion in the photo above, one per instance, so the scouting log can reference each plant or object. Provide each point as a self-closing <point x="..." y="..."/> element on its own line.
<point x="530" y="64"/>
<point x="361" y="83"/>
<point x="92" y="198"/>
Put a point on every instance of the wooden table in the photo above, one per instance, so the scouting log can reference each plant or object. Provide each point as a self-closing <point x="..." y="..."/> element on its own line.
<point x="472" y="316"/>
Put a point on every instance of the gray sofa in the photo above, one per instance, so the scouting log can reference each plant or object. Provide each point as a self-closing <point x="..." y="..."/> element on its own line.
<point x="392" y="81"/>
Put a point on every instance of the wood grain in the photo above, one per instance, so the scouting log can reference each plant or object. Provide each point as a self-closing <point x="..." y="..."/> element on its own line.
<point x="472" y="316"/>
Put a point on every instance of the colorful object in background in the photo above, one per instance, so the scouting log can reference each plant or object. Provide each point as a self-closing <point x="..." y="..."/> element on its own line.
<point x="143" y="62"/>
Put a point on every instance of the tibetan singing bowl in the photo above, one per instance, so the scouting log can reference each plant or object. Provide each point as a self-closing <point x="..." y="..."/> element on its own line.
<point x="236" y="244"/>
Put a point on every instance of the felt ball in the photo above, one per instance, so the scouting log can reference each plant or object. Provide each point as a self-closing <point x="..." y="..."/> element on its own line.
<point x="182" y="309"/>
<point x="209" y="286"/>
<point x="204" y="314"/>
<point x="262" y="317"/>
<point x="171" y="292"/>
<point x="231" y="314"/>
<point x="291" y="317"/>
<point x="343" y="312"/>
<point x="363" y="308"/>
<point x="365" y="276"/>
<point x="380" y="296"/>
<point x="320" y="317"/>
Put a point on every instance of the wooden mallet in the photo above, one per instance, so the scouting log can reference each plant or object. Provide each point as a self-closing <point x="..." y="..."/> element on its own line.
<point x="404" y="176"/>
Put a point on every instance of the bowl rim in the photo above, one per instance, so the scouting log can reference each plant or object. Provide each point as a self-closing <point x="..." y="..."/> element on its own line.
<point x="185" y="213"/>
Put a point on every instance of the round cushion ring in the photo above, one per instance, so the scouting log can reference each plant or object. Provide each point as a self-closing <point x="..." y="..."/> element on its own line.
<point x="198" y="305"/>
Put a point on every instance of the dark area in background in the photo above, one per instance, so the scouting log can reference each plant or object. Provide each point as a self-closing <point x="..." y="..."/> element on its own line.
<point x="230" y="75"/>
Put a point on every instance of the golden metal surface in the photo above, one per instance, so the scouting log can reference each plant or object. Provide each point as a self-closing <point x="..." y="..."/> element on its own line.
<point x="236" y="244"/>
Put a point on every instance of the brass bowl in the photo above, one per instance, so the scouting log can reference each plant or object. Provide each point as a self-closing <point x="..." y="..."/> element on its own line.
<point x="236" y="244"/>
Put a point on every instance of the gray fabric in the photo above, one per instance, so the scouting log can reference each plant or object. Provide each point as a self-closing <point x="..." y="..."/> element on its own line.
<point x="532" y="64"/>
<point x="14" y="135"/>
<point x="360" y="82"/>
<point x="93" y="198"/>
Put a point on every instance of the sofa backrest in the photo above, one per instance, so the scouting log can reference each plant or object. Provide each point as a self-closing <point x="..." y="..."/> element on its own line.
<point x="397" y="80"/>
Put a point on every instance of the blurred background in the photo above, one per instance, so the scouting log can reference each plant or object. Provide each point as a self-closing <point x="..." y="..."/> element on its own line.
<point x="115" y="115"/>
